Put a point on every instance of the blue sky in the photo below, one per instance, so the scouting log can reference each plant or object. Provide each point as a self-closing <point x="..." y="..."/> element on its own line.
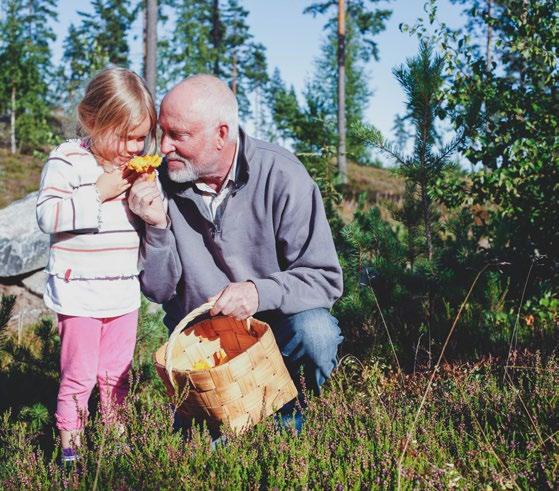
<point x="293" y="43"/>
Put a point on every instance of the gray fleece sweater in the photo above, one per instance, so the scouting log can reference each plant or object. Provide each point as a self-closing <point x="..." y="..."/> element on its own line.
<point x="271" y="230"/>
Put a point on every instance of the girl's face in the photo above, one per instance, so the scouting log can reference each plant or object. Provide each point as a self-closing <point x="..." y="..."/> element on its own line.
<point x="119" y="149"/>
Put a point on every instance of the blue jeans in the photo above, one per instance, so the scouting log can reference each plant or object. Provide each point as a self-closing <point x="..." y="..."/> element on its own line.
<point x="309" y="342"/>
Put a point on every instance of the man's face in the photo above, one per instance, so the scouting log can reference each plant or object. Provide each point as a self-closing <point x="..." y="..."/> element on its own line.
<point x="189" y="143"/>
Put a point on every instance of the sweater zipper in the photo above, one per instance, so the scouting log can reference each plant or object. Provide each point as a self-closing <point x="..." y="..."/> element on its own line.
<point x="218" y="221"/>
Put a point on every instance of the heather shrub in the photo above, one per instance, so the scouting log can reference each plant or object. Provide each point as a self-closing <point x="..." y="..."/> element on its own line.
<point x="482" y="426"/>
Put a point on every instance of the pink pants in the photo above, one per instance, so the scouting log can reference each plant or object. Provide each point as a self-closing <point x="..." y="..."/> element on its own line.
<point x="93" y="350"/>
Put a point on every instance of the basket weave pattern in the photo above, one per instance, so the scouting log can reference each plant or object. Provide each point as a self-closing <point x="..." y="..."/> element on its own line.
<point x="251" y="384"/>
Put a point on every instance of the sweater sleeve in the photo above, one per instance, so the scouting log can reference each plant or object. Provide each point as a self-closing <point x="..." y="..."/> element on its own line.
<point x="64" y="204"/>
<point x="159" y="263"/>
<point x="311" y="275"/>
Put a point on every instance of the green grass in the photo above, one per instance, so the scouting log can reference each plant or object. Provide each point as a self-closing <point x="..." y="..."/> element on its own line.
<point x="19" y="174"/>
<point x="479" y="429"/>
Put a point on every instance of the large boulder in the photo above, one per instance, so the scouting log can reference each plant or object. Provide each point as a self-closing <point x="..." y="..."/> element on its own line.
<point x="23" y="247"/>
<point x="36" y="282"/>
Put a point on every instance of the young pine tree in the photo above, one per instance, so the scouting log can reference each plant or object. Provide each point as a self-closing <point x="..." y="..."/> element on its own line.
<point x="185" y="49"/>
<point x="26" y="71"/>
<point x="421" y="78"/>
<point x="107" y="28"/>
<point x="211" y="36"/>
<point x="100" y="39"/>
<point x="75" y="68"/>
<point x="244" y="62"/>
<point x="308" y="126"/>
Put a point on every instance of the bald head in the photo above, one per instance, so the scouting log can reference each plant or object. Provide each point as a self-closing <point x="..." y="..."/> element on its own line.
<point x="207" y="99"/>
<point x="199" y="130"/>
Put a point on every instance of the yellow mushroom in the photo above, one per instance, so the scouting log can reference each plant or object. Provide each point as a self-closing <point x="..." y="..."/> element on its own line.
<point x="145" y="164"/>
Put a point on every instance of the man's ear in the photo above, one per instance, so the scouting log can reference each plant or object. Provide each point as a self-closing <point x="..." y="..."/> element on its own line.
<point x="223" y="135"/>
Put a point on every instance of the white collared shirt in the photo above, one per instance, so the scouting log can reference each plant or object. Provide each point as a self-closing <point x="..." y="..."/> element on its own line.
<point x="211" y="197"/>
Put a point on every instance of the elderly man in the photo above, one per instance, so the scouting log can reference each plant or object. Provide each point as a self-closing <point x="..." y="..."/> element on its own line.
<point x="245" y="226"/>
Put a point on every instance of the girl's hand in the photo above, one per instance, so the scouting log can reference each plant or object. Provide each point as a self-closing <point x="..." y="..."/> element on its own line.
<point x="145" y="201"/>
<point x="112" y="184"/>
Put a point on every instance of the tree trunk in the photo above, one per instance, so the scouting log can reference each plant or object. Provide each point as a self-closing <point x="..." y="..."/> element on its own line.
<point x="426" y="208"/>
<point x="151" y="46"/>
<point x="234" y="74"/>
<point x="216" y="36"/>
<point x="489" y="36"/>
<point x="145" y="37"/>
<point x="13" y="142"/>
<point x="257" y="114"/>
<point x="342" y="162"/>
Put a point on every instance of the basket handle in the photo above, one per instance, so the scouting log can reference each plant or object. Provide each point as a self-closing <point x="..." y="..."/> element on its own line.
<point x="180" y="328"/>
<point x="248" y="327"/>
<point x="174" y="335"/>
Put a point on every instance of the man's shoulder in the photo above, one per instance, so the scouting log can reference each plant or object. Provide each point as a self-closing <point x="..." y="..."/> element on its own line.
<point x="265" y="149"/>
<point x="276" y="159"/>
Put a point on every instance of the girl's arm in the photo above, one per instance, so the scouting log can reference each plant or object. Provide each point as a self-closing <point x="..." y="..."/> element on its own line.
<point x="64" y="203"/>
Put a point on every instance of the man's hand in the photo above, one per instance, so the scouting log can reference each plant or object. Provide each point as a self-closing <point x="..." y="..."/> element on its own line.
<point x="239" y="300"/>
<point x="146" y="202"/>
<point x="112" y="184"/>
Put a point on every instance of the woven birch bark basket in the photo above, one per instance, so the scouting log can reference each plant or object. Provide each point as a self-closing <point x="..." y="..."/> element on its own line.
<point x="252" y="382"/>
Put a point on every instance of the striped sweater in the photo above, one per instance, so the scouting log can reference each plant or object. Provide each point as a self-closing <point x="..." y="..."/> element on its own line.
<point x="88" y="239"/>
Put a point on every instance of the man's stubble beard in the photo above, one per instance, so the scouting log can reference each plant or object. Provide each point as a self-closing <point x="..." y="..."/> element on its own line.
<point x="188" y="173"/>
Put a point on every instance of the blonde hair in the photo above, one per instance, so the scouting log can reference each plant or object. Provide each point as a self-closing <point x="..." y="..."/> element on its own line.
<point x="116" y="99"/>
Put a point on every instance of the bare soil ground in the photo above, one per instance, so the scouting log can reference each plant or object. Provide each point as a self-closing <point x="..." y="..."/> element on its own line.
<point x="28" y="308"/>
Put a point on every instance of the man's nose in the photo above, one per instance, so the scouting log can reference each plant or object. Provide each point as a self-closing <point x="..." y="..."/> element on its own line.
<point x="166" y="144"/>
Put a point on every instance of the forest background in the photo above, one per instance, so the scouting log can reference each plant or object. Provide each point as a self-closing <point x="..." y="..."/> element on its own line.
<point x="451" y="308"/>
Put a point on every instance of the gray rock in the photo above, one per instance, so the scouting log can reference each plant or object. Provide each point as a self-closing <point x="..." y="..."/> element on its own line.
<point x="36" y="282"/>
<point x="23" y="247"/>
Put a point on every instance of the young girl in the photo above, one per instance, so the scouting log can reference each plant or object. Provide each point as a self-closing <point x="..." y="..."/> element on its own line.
<point x="93" y="265"/>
